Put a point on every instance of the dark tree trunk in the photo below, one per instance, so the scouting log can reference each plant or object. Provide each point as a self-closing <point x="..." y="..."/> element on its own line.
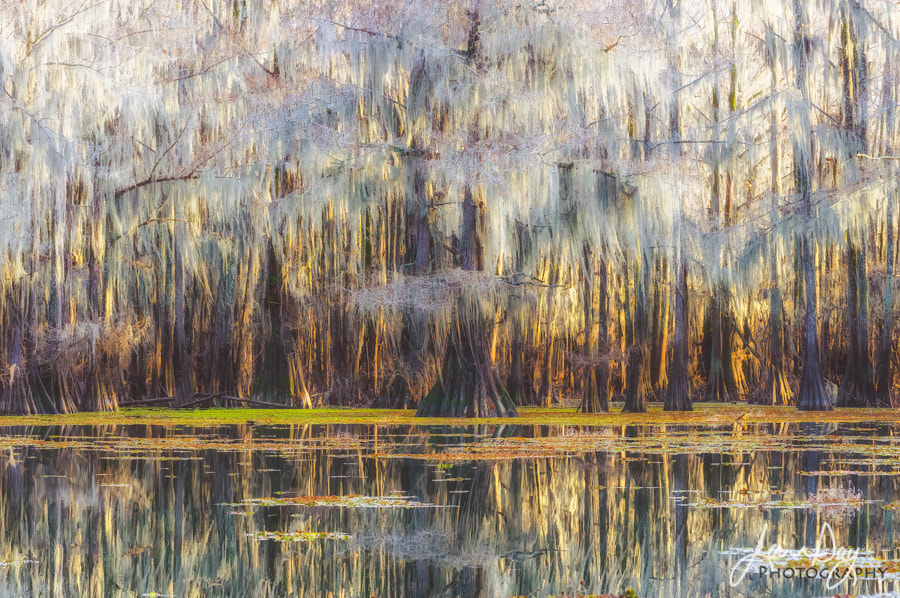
<point x="595" y="393"/>
<point x="275" y="379"/>
<point x="857" y="388"/>
<point x="339" y="384"/>
<point x="718" y="332"/>
<point x="419" y="254"/>
<point x="716" y="342"/>
<point x="660" y="328"/>
<point x="60" y="380"/>
<point x="159" y="369"/>
<point x="15" y="395"/>
<point x="22" y="390"/>
<point x="546" y="390"/>
<point x="296" y="371"/>
<point x="469" y="385"/>
<point x="101" y="386"/>
<point x="471" y="250"/>
<point x="865" y="354"/>
<point x="400" y="393"/>
<point x="422" y="249"/>
<point x="282" y="375"/>
<point x="855" y="80"/>
<point x="678" y="390"/>
<point x="884" y="376"/>
<point x="520" y="382"/>
<point x="220" y="374"/>
<point x="636" y="381"/>
<point x="776" y="390"/>
<point x="812" y="395"/>
<point x="181" y="366"/>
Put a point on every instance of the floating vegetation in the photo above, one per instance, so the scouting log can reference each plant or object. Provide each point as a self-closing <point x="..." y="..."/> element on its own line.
<point x="834" y="506"/>
<point x="350" y="501"/>
<point x="299" y="536"/>
<point x="862" y="451"/>
<point x="839" y="501"/>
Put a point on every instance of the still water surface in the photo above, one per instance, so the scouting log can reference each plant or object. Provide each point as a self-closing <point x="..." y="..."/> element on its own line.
<point x="397" y="510"/>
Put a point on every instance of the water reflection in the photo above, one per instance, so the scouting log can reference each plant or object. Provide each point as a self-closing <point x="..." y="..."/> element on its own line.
<point x="475" y="511"/>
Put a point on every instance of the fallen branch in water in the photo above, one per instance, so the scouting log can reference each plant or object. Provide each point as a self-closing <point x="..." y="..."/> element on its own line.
<point x="146" y="401"/>
<point x="201" y="398"/>
<point x="256" y="402"/>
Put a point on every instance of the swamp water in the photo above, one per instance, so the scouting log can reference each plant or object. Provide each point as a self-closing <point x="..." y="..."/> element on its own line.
<point x="262" y="503"/>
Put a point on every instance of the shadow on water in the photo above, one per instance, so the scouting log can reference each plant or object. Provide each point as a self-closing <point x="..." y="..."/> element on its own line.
<point x="440" y="511"/>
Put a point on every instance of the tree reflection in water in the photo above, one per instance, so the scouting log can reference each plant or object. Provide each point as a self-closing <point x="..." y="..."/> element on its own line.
<point x="128" y="510"/>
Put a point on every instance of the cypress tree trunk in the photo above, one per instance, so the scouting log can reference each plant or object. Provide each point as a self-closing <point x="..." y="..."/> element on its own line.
<point x="776" y="390"/>
<point x="857" y="388"/>
<point x="637" y="353"/>
<point x="717" y="332"/>
<point x="22" y="391"/>
<point x="660" y="328"/>
<point x="595" y="393"/>
<point x="720" y="383"/>
<point x="296" y="371"/>
<point x="274" y="378"/>
<point x="865" y="355"/>
<point x="419" y="255"/>
<point x="813" y="395"/>
<point x="59" y="379"/>
<point x="159" y="367"/>
<point x="281" y="371"/>
<point x="855" y="83"/>
<point x="884" y="375"/>
<point x="677" y="394"/>
<point x="857" y="385"/>
<point x="520" y="393"/>
<point x="16" y="397"/>
<point x="181" y="366"/>
<point x="520" y="382"/>
<point x="546" y="390"/>
<point x="221" y="367"/>
<point x="100" y="388"/>
<point x="469" y="385"/>
<point x="678" y="390"/>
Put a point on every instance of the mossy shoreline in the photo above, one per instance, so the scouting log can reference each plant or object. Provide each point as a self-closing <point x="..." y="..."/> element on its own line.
<point x="703" y="415"/>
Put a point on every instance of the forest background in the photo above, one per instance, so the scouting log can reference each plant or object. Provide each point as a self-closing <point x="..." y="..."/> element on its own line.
<point x="462" y="206"/>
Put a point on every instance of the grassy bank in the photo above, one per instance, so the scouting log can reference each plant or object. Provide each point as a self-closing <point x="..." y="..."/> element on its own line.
<point x="703" y="414"/>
